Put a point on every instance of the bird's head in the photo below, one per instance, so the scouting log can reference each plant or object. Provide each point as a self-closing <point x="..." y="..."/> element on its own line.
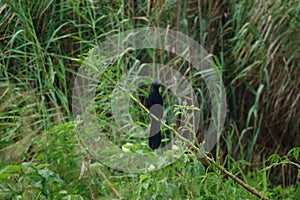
<point x="156" y="84"/>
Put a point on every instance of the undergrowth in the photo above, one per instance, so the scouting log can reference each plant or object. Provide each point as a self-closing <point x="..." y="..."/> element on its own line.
<point x="255" y="46"/>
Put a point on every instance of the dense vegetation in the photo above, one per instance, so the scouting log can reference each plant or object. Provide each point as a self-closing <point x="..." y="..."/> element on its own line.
<point x="255" y="44"/>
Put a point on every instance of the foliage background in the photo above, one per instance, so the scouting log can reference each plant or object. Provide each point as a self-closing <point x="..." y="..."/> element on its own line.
<point x="256" y="43"/>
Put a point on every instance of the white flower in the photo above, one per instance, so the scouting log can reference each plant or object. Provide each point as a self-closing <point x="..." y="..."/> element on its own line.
<point x="128" y="144"/>
<point x="125" y="149"/>
<point x="151" y="167"/>
<point x="174" y="147"/>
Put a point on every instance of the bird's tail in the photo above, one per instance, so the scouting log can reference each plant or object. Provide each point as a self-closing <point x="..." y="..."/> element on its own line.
<point x="155" y="135"/>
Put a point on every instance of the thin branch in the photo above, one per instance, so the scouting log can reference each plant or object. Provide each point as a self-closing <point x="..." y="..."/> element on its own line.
<point x="109" y="183"/>
<point x="236" y="179"/>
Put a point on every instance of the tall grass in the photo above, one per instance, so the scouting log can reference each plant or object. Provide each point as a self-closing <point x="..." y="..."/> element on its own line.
<point x="256" y="45"/>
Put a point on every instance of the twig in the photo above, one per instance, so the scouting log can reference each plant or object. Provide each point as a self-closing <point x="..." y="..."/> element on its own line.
<point x="89" y="174"/>
<point x="109" y="183"/>
<point x="91" y="184"/>
<point x="236" y="179"/>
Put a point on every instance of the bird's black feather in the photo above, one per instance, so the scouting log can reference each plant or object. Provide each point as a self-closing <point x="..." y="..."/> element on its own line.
<point x="155" y="104"/>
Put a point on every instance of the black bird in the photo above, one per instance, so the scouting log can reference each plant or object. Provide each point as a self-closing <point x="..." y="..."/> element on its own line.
<point x="155" y="105"/>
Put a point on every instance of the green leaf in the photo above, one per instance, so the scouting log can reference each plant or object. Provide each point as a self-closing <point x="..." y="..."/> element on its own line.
<point x="11" y="168"/>
<point x="144" y="177"/>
